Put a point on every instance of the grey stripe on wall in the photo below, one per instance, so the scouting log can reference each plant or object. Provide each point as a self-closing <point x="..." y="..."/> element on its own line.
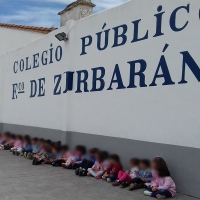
<point x="183" y="162"/>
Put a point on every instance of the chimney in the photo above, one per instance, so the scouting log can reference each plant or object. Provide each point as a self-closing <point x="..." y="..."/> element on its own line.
<point x="76" y="10"/>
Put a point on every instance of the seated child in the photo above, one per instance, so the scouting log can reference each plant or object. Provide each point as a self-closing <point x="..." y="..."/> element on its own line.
<point x="18" y="144"/>
<point x="88" y="162"/>
<point x="10" y="140"/>
<point x="35" y="148"/>
<point x="79" y="156"/>
<point x="56" y="151"/>
<point x="162" y="186"/>
<point x="115" y="166"/>
<point x="1" y="138"/>
<point x="100" y="166"/>
<point x="47" y="157"/>
<point x="26" y="146"/>
<point x="65" y="155"/>
<point x="4" y="138"/>
<point x="41" y="144"/>
<point x="128" y="175"/>
<point x="144" y="176"/>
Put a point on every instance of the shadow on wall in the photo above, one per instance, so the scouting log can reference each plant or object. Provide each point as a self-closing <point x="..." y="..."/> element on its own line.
<point x="183" y="162"/>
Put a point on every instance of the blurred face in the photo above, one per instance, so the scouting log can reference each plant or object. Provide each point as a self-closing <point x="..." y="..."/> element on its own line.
<point x="79" y="153"/>
<point x="142" y="166"/>
<point x="63" y="151"/>
<point x="132" y="164"/>
<point x="54" y="150"/>
<point x="153" y="165"/>
<point x="112" y="161"/>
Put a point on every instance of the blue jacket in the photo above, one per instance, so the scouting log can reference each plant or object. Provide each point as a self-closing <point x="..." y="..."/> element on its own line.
<point x="145" y="174"/>
<point x="28" y="147"/>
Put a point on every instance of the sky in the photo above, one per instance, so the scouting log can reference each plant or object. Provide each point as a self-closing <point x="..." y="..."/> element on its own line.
<point x="42" y="13"/>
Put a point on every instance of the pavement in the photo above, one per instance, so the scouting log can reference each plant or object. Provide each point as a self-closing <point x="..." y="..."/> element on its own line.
<point x="20" y="180"/>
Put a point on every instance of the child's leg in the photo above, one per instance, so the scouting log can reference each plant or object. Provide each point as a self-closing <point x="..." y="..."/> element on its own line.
<point x="120" y="174"/>
<point x="165" y="193"/>
<point x="113" y="177"/>
<point x="87" y="165"/>
<point x="125" y="177"/>
<point x="83" y="163"/>
<point x="92" y="172"/>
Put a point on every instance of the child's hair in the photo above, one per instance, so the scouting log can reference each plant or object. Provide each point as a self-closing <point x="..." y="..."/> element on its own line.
<point x="81" y="149"/>
<point x="26" y="137"/>
<point x="41" y="140"/>
<point x="35" y="139"/>
<point x="161" y="167"/>
<point x="115" y="157"/>
<point x="19" y="137"/>
<point x="145" y="162"/>
<point x="64" y="148"/>
<point x="57" y="148"/>
<point x="12" y="136"/>
<point x="102" y="155"/>
<point x="48" y="142"/>
<point x="134" y="161"/>
<point x="93" y="151"/>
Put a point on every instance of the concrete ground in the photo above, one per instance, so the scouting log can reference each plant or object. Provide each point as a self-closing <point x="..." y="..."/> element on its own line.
<point x="19" y="180"/>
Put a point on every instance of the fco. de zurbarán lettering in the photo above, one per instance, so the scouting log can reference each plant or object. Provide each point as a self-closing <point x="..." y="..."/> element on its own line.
<point x="110" y="38"/>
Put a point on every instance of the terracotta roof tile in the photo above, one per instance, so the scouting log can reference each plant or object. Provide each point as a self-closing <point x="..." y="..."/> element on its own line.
<point x="28" y="28"/>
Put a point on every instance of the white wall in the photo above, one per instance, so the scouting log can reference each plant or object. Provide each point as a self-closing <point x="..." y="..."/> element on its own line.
<point x="12" y="39"/>
<point x="162" y="114"/>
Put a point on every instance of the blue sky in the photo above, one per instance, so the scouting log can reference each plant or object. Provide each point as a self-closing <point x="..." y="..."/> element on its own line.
<point x="42" y="12"/>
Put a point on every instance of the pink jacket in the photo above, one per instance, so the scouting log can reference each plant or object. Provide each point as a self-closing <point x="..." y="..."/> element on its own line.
<point x="101" y="166"/>
<point x="18" y="144"/>
<point x="66" y="156"/>
<point x="164" y="183"/>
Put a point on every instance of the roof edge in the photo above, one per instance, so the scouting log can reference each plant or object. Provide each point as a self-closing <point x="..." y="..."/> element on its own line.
<point x="28" y="28"/>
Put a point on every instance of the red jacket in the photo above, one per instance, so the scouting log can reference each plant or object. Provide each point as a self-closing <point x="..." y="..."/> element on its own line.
<point x="114" y="169"/>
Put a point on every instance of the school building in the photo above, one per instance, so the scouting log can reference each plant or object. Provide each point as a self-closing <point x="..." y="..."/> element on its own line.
<point x="125" y="80"/>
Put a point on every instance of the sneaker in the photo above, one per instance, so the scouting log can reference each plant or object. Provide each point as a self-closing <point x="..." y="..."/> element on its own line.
<point x="103" y="177"/>
<point x="147" y="193"/>
<point x="77" y="171"/>
<point x="34" y="161"/>
<point x="124" y="185"/>
<point x="98" y="177"/>
<point x="116" y="183"/>
<point x="89" y="175"/>
<point x="83" y="172"/>
<point x="13" y="152"/>
<point x="108" y="180"/>
<point x="64" y="165"/>
<point x="132" y="186"/>
<point x="160" y="196"/>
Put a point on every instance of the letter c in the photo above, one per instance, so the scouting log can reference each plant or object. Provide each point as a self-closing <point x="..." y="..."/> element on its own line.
<point x="173" y="18"/>
<point x="14" y="69"/>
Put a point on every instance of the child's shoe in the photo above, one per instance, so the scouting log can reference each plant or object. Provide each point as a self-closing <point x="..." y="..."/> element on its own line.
<point x="103" y="177"/>
<point x="83" y="172"/>
<point x="147" y="193"/>
<point x="159" y="196"/>
<point x="77" y="171"/>
<point x="132" y="186"/>
<point x="89" y="175"/>
<point x="116" y="183"/>
<point x="109" y="180"/>
<point x="124" y="185"/>
<point x="64" y="165"/>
